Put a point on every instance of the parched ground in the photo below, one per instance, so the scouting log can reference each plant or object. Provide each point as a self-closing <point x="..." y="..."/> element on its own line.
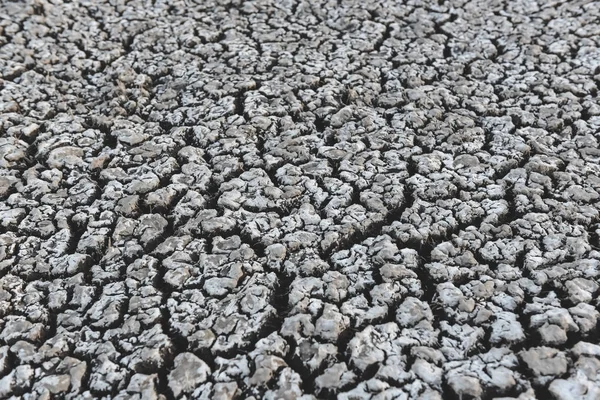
<point x="297" y="200"/>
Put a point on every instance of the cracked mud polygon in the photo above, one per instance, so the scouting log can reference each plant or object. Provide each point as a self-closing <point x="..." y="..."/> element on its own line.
<point x="299" y="199"/>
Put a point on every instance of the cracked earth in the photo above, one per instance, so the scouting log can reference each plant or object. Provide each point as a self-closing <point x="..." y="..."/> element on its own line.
<point x="299" y="199"/>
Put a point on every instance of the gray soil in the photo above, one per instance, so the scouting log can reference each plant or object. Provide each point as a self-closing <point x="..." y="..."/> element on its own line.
<point x="280" y="199"/>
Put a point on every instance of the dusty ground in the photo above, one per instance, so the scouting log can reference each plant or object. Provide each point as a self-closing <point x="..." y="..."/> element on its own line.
<point x="293" y="199"/>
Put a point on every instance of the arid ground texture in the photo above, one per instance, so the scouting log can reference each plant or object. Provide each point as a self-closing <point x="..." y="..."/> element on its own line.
<point x="277" y="199"/>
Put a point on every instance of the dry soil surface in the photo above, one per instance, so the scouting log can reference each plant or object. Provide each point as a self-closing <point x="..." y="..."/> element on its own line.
<point x="299" y="199"/>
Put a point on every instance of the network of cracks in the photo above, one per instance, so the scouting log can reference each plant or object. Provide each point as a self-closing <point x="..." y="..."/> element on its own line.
<point x="279" y="199"/>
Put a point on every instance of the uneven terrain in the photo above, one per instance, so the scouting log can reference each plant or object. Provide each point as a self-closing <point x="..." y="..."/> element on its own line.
<point x="299" y="199"/>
